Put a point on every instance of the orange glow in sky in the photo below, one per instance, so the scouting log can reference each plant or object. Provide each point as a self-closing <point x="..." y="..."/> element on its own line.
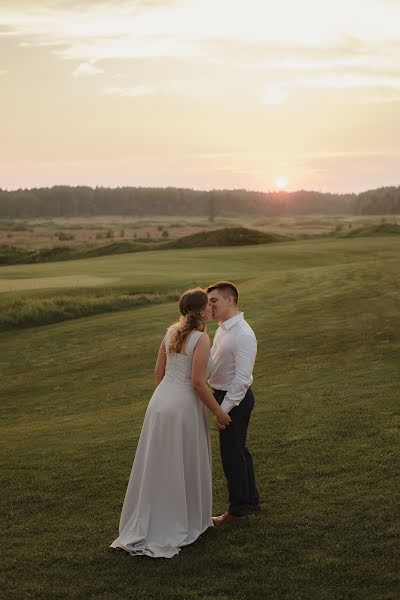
<point x="207" y="95"/>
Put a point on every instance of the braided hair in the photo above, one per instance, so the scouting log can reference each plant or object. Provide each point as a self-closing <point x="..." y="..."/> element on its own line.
<point x="191" y="304"/>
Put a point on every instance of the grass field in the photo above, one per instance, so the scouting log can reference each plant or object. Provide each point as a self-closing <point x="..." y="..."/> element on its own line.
<point x="324" y="433"/>
<point x="96" y="230"/>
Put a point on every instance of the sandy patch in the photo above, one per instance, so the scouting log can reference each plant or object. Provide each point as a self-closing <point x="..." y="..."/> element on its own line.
<point x="14" y="285"/>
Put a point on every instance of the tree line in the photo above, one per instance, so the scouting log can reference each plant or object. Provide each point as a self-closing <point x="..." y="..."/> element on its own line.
<point x="68" y="201"/>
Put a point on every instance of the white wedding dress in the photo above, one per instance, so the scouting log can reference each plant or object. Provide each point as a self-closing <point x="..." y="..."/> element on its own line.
<point x="168" y="500"/>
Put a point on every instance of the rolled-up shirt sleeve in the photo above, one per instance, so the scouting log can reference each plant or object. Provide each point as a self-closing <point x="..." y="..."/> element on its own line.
<point x="245" y="356"/>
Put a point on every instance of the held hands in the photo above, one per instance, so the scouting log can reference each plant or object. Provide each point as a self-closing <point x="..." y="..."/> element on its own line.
<point x="222" y="420"/>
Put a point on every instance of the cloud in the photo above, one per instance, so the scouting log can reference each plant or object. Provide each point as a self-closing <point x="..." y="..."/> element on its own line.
<point x="340" y="44"/>
<point x="137" y="90"/>
<point x="274" y="94"/>
<point x="353" y="80"/>
<point x="379" y="99"/>
<point x="277" y="93"/>
<point x="119" y="76"/>
<point x="298" y="60"/>
<point x="86" y="70"/>
<point x="288" y="23"/>
<point x="126" y="47"/>
<point x="329" y="162"/>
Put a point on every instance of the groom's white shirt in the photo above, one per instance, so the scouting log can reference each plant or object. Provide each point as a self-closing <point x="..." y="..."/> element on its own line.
<point x="233" y="353"/>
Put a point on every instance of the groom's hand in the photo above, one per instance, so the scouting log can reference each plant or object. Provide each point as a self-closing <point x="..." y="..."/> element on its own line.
<point x="222" y="419"/>
<point x="219" y="425"/>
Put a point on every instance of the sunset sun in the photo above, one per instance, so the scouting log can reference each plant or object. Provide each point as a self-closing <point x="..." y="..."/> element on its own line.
<point x="281" y="183"/>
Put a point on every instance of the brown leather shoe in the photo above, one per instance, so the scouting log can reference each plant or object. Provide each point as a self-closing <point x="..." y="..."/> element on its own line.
<point x="227" y="519"/>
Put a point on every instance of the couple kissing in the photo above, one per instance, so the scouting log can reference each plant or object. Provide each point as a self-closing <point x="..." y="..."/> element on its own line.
<point x="168" y="502"/>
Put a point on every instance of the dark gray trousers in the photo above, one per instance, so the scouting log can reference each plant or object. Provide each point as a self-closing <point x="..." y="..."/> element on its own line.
<point x="236" y="459"/>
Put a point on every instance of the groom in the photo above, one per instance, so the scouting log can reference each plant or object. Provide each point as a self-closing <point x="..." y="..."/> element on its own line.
<point x="233" y="352"/>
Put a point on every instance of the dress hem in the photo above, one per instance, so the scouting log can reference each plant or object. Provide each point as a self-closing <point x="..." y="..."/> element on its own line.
<point x="144" y="548"/>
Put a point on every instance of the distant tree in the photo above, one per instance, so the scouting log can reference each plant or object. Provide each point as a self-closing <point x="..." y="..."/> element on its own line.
<point x="66" y="201"/>
<point x="212" y="206"/>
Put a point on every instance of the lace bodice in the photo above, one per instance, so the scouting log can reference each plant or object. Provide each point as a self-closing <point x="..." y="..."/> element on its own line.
<point x="178" y="368"/>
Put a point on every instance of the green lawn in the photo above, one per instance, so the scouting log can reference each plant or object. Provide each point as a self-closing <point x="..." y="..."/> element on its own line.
<point x="324" y="433"/>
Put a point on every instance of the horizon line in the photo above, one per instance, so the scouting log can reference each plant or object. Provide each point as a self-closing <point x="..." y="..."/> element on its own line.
<point x="277" y="192"/>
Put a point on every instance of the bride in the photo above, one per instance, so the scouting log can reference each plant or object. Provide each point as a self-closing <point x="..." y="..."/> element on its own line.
<point x="168" y="500"/>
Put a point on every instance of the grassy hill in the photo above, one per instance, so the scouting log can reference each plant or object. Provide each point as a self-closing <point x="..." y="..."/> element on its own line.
<point x="374" y="230"/>
<point x="324" y="432"/>
<point x="231" y="236"/>
<point x="11" y="255"/>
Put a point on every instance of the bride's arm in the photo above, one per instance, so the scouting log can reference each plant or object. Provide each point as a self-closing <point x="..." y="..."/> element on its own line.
<point x="199" y="369"/>
<point x="159" y="369"/>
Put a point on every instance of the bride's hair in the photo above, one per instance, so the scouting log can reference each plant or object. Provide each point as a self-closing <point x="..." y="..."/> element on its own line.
<point x="191" y="303"/>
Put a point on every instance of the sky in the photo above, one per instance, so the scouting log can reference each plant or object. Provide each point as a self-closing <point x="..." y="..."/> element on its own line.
<point x="204" y="94"/>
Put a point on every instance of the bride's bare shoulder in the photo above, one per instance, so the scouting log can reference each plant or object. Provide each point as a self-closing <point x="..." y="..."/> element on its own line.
<point x="204" y="339"/>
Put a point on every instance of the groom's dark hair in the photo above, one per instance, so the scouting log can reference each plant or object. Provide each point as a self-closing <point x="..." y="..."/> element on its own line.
<point x="226" y="288"/>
